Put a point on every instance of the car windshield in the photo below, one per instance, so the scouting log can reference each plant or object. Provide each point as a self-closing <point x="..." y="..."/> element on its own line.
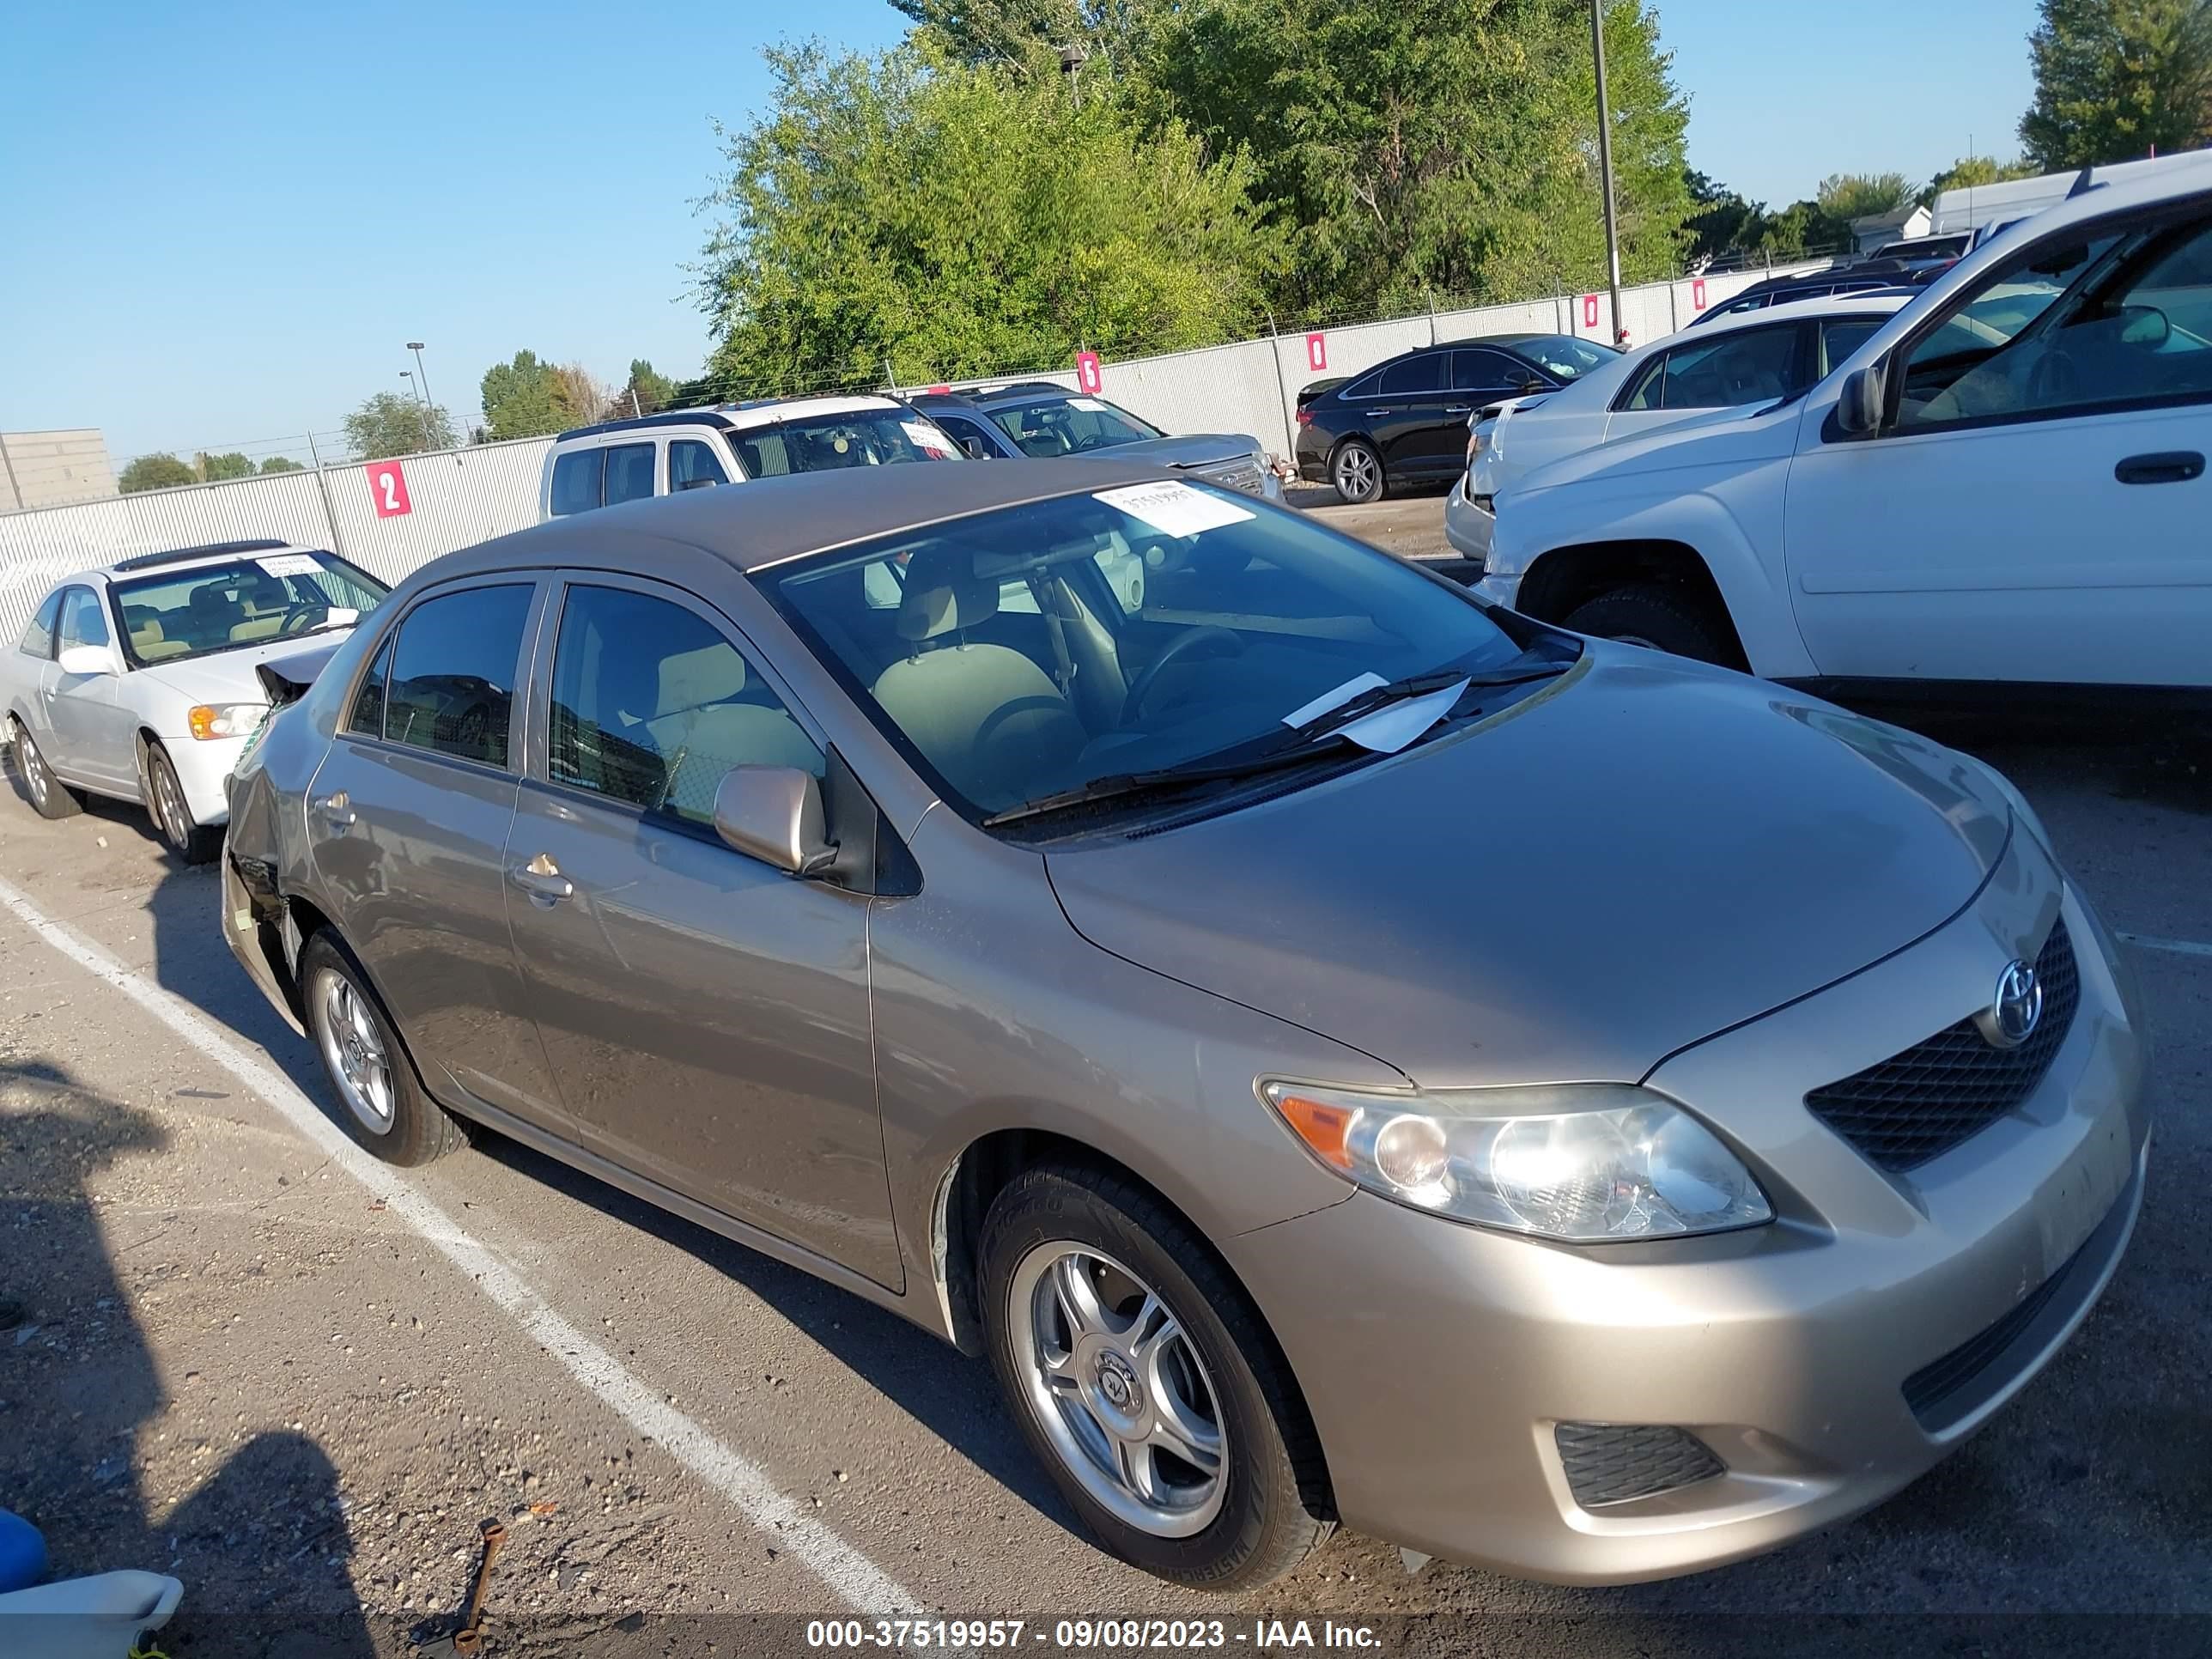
<point x="245" y="601"/>
<point x="1564" y="356"/>
<point x="1044" y="649"/>
<point x="854" y="437"/>
<point x="1070" y="425"/>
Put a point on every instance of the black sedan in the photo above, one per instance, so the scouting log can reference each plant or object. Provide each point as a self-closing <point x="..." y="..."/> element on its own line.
<point x="1405" y="421"/>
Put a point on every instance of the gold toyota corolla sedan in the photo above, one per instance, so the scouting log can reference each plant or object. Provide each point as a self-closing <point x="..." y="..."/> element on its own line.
<point x="1345" y="1052"/>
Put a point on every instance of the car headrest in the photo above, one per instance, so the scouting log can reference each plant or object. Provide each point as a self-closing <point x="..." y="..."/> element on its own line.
<point x="145" y="630"/>
<point x="692" y="679"/>
<point x="943" y="593"/>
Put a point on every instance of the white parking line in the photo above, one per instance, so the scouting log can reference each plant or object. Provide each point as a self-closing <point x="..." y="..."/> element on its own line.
<point x="2182" y="947"/>
<point x="855" y="1579"/>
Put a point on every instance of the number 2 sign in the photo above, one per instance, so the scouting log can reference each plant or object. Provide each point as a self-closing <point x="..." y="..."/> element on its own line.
<point x="388" y="488"/>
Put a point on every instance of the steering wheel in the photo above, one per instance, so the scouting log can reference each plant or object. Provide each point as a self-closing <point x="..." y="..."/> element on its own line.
<point x="296" y="615"/>
<point x="1133" y="704"/>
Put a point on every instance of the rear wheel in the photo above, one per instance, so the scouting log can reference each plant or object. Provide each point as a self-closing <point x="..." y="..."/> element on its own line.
<point x="1658" y="618"/>
<point x="193" y="842"/>
<point x="382" y="1101"/>
<point x="1356" y="472"/>
<point x="1146" y="1383"/>
<point x="50" y="796"/>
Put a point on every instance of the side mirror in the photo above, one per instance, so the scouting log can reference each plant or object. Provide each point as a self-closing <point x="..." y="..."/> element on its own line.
<point x="1858" y="404"/>
<point x="83" y="659"/>
<point x="698" y="483"/>
<point x="2144" y="325"/>
<point x="773" y="813"/>
<point x="973" y="448"/>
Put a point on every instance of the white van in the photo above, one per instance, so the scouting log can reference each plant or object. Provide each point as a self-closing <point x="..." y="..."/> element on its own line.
<point x="692" y="448"/>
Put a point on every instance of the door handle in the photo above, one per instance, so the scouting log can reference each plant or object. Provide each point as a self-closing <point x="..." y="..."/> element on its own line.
<point x="1372" y="413"/>
<point x="1457" y="408"/>
<point x="2167" y="466"/>
<point x="337" y="809"/>
<point x="542" y="880"/>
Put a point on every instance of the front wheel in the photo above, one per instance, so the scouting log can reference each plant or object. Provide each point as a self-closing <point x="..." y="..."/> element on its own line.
<point x="1357" y="472"/>
<point x="50" y="797"/>
<point x="1146" y="1384"/>
<point x="1658" y="618"/>
<point x="193" y="842"/>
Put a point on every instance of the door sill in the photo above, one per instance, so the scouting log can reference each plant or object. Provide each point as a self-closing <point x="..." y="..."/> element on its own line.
<point x="601" y="1168"/>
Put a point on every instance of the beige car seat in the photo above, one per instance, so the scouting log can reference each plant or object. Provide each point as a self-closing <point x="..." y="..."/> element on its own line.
<point x="701" y="734"/>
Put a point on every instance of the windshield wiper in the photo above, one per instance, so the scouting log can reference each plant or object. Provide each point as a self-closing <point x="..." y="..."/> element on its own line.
<point x="1123" y="785"/>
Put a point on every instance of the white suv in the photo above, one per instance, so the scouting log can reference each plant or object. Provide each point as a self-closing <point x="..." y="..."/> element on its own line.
<point x="2006" y="483"/>
<point x="692" y="448"/>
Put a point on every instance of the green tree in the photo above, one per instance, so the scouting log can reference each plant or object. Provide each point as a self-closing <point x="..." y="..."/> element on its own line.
<point x="1028" y="36"/>
<point x="156" y="471"/>
<point x="652" y="392"/>
<point x="523" y="398"/>
<point x="948" y="220"/>
<point x="1972" y="172"/>
<point x="2116" y="79"/>
<point x="1434" y="146"/>
<point x="216" y="468"/>
<point x="281" y="463"/>
<point x="1845" y="196"/>
<point x="392" y="423"/>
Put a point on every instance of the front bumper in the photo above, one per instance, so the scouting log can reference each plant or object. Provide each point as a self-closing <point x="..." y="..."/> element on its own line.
<point x="1467" y="525"/>
<point x="1439" y="1360"/>
<point x="204" y="767"/>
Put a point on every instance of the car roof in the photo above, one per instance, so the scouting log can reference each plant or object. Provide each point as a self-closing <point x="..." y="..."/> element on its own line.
<point x="769" y="521"/>
<point x="186" y="559"/>
<point x="738" y="417"/>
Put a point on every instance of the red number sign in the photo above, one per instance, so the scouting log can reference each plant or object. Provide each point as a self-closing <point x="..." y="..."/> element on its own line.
<point x="1087" y="376"/>
<point x="1589" y="311"/>
<point x="1317" y="350"/>
<point x="388" y="488"/>
<point x="1697" y="293"/>
<point x="939" y="391"/>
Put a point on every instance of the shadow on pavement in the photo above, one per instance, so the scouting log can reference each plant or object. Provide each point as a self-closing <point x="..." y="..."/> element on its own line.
<point x="261" y="1541"/>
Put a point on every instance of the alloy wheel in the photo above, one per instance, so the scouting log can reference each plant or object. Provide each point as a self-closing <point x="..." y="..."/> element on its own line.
<point x="352" y="1052"/>
<point x="32" y="765"/>
<point x="169" y="805"/>
<point x="1355" y="473"/>
<point x="1118" y="1389"/>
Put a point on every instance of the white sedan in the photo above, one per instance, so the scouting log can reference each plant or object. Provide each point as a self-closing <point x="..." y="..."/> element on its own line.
<point x="136" y="680"/>
<point x="1758" y="356"/>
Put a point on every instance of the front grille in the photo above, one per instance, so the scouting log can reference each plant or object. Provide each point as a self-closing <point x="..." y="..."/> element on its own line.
<point x="1919" y="1105"/>
<point x="1235" y="475"/>
<point x="1615" y="1462"/>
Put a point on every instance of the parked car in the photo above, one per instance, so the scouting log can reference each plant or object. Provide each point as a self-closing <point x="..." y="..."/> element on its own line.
<point x="2004" y="487"/>
<point x="138" y="680"/>
<point x="1053" y="978"/>
<point x="1405" y="421"/>
<point x="1037" y="420"/>
<point x="1866" y="276"/>
<point x="615" y="461"/>
<point x="1755" y="357"/>
<point x="1928" y="249"/>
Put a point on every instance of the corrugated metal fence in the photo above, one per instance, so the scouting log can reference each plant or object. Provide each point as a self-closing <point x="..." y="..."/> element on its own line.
<point x="459" y="497"/>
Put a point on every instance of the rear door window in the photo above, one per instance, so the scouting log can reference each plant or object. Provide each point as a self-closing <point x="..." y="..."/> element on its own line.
<point x="453" y="672"/>
<point x="630" y="473"/>
<point x="576" y="481"/>
<point x="1415" y="376"/>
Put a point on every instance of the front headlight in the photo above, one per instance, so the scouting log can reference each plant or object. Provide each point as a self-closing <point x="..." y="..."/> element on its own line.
<point x="225" y="719"/>
<point x="1589" y="1164"/>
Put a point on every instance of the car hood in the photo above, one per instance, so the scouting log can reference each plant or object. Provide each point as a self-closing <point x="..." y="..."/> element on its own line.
<point x="228" y="675"/>
<point x="1727" y="438"/>
<point x="1647" y="853"/>
<point x="1185" y="449"/>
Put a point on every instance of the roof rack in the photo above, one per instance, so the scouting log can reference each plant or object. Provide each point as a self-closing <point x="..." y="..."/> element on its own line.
<point x="211" y="549"/>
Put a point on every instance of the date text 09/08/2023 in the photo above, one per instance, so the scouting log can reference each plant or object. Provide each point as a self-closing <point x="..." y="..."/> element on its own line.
<point x="1262" y="1635"/>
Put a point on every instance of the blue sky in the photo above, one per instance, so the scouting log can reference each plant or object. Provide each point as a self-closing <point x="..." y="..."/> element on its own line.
<point x="222" y="221"/>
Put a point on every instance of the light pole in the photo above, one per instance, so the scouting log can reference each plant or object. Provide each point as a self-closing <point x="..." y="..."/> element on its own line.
<point x="1605" y="163"/>
<point x="421" y="411"/>
<point x="422" y="376"/>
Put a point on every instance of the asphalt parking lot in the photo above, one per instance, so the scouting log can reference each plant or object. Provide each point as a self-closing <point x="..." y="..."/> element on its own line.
<point x="243" y="1354"/>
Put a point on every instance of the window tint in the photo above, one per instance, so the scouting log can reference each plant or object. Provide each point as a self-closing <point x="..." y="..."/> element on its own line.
<point x="630" y="473"/>
<point x="970" y="437"/>
<point x="1747" y="368"/>
<point x="861" y="437"/>
<point x="2121" y="319"/>
<point x="652" y="706"/>
<point x="576" y="481"/>
<point x="1488" y="371"/>
<point x="1368" y="385"/>
<point x="691" y="463"/>
<point x="1844" y="338"/>
<point x="453" y="670"/>
<point x="83" y="620"/>
<point x="1070" y="425"/>
<point x="207" y="608"/>
<point x="39" y="637"/>
<point x="367" y="715"/>
<point x="1416" y="374"/>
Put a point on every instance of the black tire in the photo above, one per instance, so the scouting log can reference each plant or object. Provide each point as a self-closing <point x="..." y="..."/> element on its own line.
<point x="420" y="1130"/>
<point x="1659" y="617"/>
<point x="50" y="797"/>
<point x="1357" y="472"/>
<point x="192" y="842"/>
<point x="1275" y="1507"/>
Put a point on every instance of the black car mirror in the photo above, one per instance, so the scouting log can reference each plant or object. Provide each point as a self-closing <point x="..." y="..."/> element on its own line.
<point x="1858" y="404"/>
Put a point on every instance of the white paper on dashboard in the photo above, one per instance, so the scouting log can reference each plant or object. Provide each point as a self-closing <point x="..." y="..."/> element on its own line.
<point x="1088" y="405"/>
<point x="339" y="615"/>
<point x="1388" y="730"/>
<point x="926" y="437"/>
<point x="1336" y="699"/>
<point x="291" y="564"/>
<point x="1173" y="509"/>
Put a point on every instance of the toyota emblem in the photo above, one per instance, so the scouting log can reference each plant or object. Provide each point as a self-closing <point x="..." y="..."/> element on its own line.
<point x="2018" y="1008"/>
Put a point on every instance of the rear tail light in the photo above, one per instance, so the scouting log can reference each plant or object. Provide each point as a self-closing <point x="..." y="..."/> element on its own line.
<point x="1305" y="418"/>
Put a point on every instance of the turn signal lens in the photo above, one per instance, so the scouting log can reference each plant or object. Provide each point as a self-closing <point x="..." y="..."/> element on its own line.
<point x="1586" y="1163"/>
<point x="225" y="719"/>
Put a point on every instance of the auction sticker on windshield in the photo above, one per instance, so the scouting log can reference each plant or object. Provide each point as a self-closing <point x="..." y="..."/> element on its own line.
<point x="1173" y="509"/>
<point x="291" y="564"/>
<point x="925" y="437"/>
